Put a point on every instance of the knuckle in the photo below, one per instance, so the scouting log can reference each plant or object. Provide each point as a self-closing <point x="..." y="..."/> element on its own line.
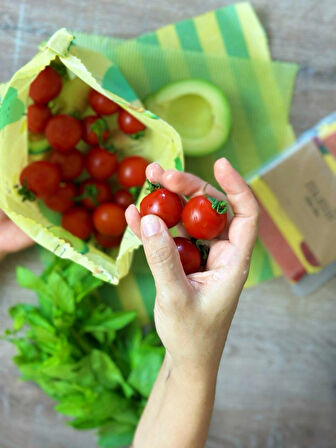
<point x="160" y="255"/>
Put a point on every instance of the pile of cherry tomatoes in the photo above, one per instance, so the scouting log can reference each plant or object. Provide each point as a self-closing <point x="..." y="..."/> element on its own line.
<point x="79" y="184"/>
<point x="88" y="206"/>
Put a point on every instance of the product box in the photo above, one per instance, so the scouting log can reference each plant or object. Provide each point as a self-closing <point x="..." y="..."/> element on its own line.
<point x="296" y="191"/>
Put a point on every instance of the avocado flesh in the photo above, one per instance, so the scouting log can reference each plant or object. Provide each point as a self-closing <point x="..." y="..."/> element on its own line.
<point x="198" y="110"/>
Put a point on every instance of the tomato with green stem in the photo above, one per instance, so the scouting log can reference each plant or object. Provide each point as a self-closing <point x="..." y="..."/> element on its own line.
<point x="46" y="86"/>
<point x="63" y="132"/>
<point x="204" y="217"/>
<point x="189" y="255"/>
<point x="94" y="193"/>
<point x="132" y="171"/>
<point x="39" y="179"/>
<point x="101" y="104"/>
<point x="38" y="116"/>
<point x="71" y="163"/>
<point x="95" y="130"/>
<point x="163" y="203"/>
<point x="63" y="199"/>
<point x="129" y="124"/>
<point x="109" y="219"/>
<point x="101" y="163"/>
<point x="78" y="221"/>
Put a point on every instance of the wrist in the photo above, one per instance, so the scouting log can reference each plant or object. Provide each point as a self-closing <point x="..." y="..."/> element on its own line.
<point x="190" y="375"/>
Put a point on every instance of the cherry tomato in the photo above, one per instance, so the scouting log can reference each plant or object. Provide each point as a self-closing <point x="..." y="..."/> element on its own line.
<point x="63" y="199"/>
<point x="101" y="163"/>
<point x="38" y="116"/>
<point x="46" y="86"/>
<point x="132" y="171"/>
<point x="42" y="178"/>
<point x="97" y="192"/>
<point x="201" y="218"/>
<point x="102" y="105"/>
<point x="129" y="124"/>
<point x="78" y="221"/>
<point x="63" y="132"/>
<point x="189" y="255"/>
<point x="123" y="198"/>
<point x="163" y="203"/>
<point x="90" y="135"/>
<point x="109" y="219"/>
<point x="108" y="241"/>
<point x="71" y="163"/>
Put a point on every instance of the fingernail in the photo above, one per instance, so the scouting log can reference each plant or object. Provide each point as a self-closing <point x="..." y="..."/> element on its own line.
<point x="150" y="225"/>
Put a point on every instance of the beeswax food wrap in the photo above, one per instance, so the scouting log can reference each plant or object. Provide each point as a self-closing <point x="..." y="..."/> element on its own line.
<point x="160" y="143"/>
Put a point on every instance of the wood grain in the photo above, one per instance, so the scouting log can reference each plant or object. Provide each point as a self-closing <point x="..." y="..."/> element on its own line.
<point x="276" y="386"/>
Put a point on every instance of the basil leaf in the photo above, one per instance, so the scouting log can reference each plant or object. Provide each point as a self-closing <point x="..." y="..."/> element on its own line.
<point x="107" y="373"/>
<point x="62" y="294"/>
<point x="146" y="365"/>
<point x="114" y="435"/>
<point x="29" y="280"/>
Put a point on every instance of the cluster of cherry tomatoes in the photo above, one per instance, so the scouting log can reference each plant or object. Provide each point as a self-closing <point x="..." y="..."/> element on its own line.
<point x="203" y="218"/>
<point x="87" y="203"/>
<point x="88" y="206"/>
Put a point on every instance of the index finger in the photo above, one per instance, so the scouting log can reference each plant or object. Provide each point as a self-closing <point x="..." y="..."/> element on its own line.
<point x="182" y="183"/>
<point x="244" y="225"/>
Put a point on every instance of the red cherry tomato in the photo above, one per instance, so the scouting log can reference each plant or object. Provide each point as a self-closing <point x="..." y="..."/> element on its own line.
<point x="109" y="219"/>
<point x="189" y="255"/>
<point x="38" y="116"/>
<point x="123" y="198"/>
<point x="71" y="163"/>
<point x="132" y="171"/>
<point x="163" y="203"/>
<point x="42" y="178"/>
<point x="90" y="136"/>
<point x="78" y="221"/>
<point x="201" y="220"/>
<point x="102" y="105"/>
<point x="46" y="86"/>
<point x="63" y="199"/>
<point x="129" y="124"/>
<point x="63" y="132"/>
<point x="108" y="241"/>
<point x="97" y="192"/>
<point x="101" y="163"/>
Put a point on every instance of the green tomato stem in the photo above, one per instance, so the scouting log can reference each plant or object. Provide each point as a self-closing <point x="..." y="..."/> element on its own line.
<point x="152" y="187"/>
<point x="91" y="192"/>
<point x="218" y="205"/>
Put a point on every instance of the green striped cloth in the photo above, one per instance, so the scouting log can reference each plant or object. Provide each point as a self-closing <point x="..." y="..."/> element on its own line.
<point x="229" y="48"/>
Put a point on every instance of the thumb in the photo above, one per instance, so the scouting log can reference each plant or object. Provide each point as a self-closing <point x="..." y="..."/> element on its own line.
<point x="162" y="256"/>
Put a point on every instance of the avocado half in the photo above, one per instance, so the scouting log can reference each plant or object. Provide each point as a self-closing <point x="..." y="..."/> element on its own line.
<point x="198" y="110"/>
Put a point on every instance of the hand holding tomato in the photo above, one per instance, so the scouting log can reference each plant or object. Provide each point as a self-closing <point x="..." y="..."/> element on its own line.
<point x="193" y="313"/>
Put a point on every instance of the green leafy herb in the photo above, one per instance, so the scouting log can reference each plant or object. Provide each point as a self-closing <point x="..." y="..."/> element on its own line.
<point x="93" y="360"/>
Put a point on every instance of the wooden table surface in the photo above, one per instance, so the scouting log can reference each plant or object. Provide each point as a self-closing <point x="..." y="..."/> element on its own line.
<point x="277" y="384"/>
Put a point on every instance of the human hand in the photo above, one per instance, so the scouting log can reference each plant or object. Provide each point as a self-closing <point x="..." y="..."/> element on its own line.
<point x="193" y="313"/>
<point x="12" y="239"/>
